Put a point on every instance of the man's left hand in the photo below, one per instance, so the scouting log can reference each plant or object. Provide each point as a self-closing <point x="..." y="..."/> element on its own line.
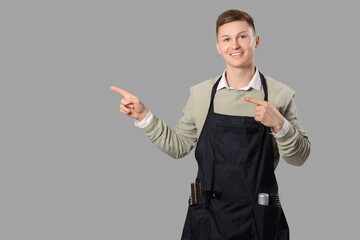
<point x="267" y="114"/>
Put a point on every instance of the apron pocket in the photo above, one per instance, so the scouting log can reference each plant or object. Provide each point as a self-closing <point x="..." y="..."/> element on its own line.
<point x="265" y="221"/>
<point x="232" y="219"/>
<point x="197" y="223"/>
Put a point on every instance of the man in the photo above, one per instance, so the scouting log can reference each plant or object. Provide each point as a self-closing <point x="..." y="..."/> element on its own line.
<point x="240" y="122"/>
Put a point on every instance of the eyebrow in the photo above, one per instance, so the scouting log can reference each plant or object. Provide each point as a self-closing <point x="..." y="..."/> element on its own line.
<point x="235" y="34"/>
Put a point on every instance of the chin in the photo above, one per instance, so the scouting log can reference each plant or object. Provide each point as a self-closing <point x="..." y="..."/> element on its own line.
<point x="239" y="65"/>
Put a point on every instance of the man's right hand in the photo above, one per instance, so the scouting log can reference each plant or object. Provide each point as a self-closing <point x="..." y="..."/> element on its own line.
<point x="131" y="105"/>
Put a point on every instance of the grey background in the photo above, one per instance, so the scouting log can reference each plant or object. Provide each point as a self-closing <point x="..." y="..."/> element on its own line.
<point x="73" y="167"/>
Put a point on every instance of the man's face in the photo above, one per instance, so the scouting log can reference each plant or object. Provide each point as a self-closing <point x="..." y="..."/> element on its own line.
<point x="237" y="43"/>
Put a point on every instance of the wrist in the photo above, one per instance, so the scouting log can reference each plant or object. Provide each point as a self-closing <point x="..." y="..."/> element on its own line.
<point x="142" y="115"/>
<point x="277" y="128"/>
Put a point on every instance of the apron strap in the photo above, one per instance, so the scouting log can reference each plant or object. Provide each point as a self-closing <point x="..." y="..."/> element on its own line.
<point x="264" y="84"/>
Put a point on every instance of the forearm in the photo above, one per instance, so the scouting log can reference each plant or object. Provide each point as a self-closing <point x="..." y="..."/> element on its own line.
<point x="294" y="147"/>
<point x="176" y="143"/>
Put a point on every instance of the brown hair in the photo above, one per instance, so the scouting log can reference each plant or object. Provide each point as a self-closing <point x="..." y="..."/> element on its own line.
<point x="234" y="15"/>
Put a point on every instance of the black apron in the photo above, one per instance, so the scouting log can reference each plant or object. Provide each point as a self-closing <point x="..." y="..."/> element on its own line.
<point x="236" y="163"/>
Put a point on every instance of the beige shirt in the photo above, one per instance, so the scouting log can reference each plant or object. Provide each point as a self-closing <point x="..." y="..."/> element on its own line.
<point x="294" y="146"/>
<point x="255" y="83"/>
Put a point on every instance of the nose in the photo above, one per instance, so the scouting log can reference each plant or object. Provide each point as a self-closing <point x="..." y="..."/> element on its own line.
<point x="235" y="44"/>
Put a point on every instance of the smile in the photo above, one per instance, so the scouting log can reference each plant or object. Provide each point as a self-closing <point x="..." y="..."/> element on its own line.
<point x="236" y="54"/>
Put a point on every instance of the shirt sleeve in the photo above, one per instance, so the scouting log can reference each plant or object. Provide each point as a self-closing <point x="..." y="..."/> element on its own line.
<point x="177" y="142"/>
<point x="283" y="131"/>
<point x="143" y="123"/>
<point x="294" y="146"/>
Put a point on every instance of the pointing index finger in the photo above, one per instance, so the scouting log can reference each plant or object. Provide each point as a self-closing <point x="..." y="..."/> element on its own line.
<point x="121" y="91"/>
<point x="254" y="100"/>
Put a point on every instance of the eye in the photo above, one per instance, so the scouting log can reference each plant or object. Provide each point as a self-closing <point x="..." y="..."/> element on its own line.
<point x="226" y="39"/>
<point x="243" y="36"/>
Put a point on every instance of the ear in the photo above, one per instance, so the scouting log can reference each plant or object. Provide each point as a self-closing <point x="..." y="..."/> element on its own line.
<point x="218" y="47"/>
<point x="257" y="41"/>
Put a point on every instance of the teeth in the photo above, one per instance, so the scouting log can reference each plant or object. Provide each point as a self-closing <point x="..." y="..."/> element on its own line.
<point x="236" y="54"/>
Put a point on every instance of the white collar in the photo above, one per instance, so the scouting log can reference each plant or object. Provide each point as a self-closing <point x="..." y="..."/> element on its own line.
<point x="254" y="83"/>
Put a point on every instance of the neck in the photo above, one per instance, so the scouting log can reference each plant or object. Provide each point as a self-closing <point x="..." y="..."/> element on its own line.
<point x="239" y="77"/>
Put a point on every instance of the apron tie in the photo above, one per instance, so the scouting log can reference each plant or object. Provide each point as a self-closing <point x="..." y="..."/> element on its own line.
<point x="210" y="195"/>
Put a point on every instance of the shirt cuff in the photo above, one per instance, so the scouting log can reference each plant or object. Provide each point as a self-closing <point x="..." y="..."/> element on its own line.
<point x="143" y="123"/>
<point x="283" y="130"/>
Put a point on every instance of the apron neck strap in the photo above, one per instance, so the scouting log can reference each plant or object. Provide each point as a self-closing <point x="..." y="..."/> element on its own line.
<point x="263" y="82"/>
<point x="213" y="91"/>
